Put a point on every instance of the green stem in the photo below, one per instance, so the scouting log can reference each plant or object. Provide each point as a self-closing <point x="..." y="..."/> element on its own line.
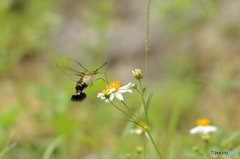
<point x="144" y="105"/>
<point x="139" y="92"/>
<point x="143" y="100"/>
<point x="130" y="110"/>
<point x="147" y="36"/>
<point x="122" y="111"/>
<point x="140" y="85"/>
<point x="145" y="110"/>
<point x="206" y="148"/>
<point x="154" y="144"/>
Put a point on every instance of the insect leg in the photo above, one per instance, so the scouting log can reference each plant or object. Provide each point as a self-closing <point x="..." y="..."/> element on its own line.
<point x="102" y="78"/>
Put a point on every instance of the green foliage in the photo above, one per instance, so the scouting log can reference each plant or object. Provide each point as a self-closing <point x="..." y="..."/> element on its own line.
<point x="53" y="145"/>
<point x="8" y="116"/>
<point x="149" y="98"/>
<point x="23" y="28"/>
<point x="228" y="142"/>
<point x="38" y="120"/>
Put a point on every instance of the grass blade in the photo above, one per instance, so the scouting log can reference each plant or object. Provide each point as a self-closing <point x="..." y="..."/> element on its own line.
<point x="149" y="99"/>
<point x="52" y="146"/>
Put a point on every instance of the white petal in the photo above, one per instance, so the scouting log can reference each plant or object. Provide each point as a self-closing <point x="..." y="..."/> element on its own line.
<point x="126" y="86"/>
<point x="119" y="96"/>
<point x="107" y="101"/>
<point x="136" y="131"/>
<point x="111" y="90"/>
<point x="124" y="90"/>
<point x="111" y="97"/>
<point x="100" y="95"/>
<point x="203" y="129"/>
<point x="209" y="129"/>
<point x="195" y="130"/>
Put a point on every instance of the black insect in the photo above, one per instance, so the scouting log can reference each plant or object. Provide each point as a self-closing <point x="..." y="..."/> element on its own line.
<point x="75" y="69"/>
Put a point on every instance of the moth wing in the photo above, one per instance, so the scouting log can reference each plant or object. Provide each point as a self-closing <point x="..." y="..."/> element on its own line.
<point x="76" y="66"/>
<point x="75" y="78"/>
<point x="72" y="74"/>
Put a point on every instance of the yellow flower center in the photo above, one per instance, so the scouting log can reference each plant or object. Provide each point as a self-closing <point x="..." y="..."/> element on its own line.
<point x="137" y="72"/>
<point x="143" y="127"/>
<point x="203" y="121"/>
<point x="105" y="91"/>
<point x="205" y="137"/>
<point x="113" y="84"/>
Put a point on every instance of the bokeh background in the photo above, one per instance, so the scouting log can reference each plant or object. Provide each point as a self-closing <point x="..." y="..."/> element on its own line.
<point x="193" y="64"/>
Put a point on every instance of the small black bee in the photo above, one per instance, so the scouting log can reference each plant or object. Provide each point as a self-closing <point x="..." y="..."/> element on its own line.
<point x="86" y="78"/>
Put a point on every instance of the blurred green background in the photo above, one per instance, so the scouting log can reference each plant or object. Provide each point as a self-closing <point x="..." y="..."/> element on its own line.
<point x="193" y="65"/>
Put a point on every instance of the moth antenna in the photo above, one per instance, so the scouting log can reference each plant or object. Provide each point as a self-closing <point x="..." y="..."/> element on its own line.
<point x="101" y="66"/>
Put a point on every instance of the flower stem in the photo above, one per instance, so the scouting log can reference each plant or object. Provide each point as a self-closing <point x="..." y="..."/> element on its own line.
<point x="122" y="111"/>
<point x="140" y="85"/>
<point x="130" y="110"/>
<point x="147" y="36"/>
<point x="206" y="147"/>
<point x="139" y="92"/>
<point x="145" y="110"/>
<point x="143" y="100"/>
<point x="154" y="144"/>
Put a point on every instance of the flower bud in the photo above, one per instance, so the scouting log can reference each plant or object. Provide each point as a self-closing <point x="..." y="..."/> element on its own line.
<point x="137" y="74"/>
<point x="134" y="86"/>
<point x="139" y="149"/>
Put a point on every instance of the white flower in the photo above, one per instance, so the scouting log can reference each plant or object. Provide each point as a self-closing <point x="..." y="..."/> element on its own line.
<point x="139" y="130"/>
<point x="103" y="95"/>
<point x="203" y="127"/>
<point x="112" y="90"/>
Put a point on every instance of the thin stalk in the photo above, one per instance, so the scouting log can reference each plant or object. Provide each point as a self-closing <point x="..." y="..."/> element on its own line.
<point x="145" y="110"/>
<point x="122" y="111"/>
<point x="140" y="83"/>
<point x="154" y="144"/>
<point x="129" y="110"/>
<point x="147" y="37"/>
<point x="139" y="92"/>
<point x="206" y="148"/>
<point x="144" y="105"/>
<point x="143" y="100"/>
<point x="171" y="129"/>
<point x="4" y="151"/>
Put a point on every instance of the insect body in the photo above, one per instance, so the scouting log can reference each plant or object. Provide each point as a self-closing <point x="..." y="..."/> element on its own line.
<point x="86" y="78"/>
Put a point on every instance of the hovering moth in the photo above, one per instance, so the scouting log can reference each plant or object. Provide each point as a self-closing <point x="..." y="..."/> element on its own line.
<point x="84" y="78"/>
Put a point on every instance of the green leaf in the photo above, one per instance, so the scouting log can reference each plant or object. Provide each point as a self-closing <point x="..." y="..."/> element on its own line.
<point x="52" y="146"/>
<point x="144" y="89"/>
<point x="149" y="100"/>
<point x="93" y="143"/>
<point x="228" y="141"/>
